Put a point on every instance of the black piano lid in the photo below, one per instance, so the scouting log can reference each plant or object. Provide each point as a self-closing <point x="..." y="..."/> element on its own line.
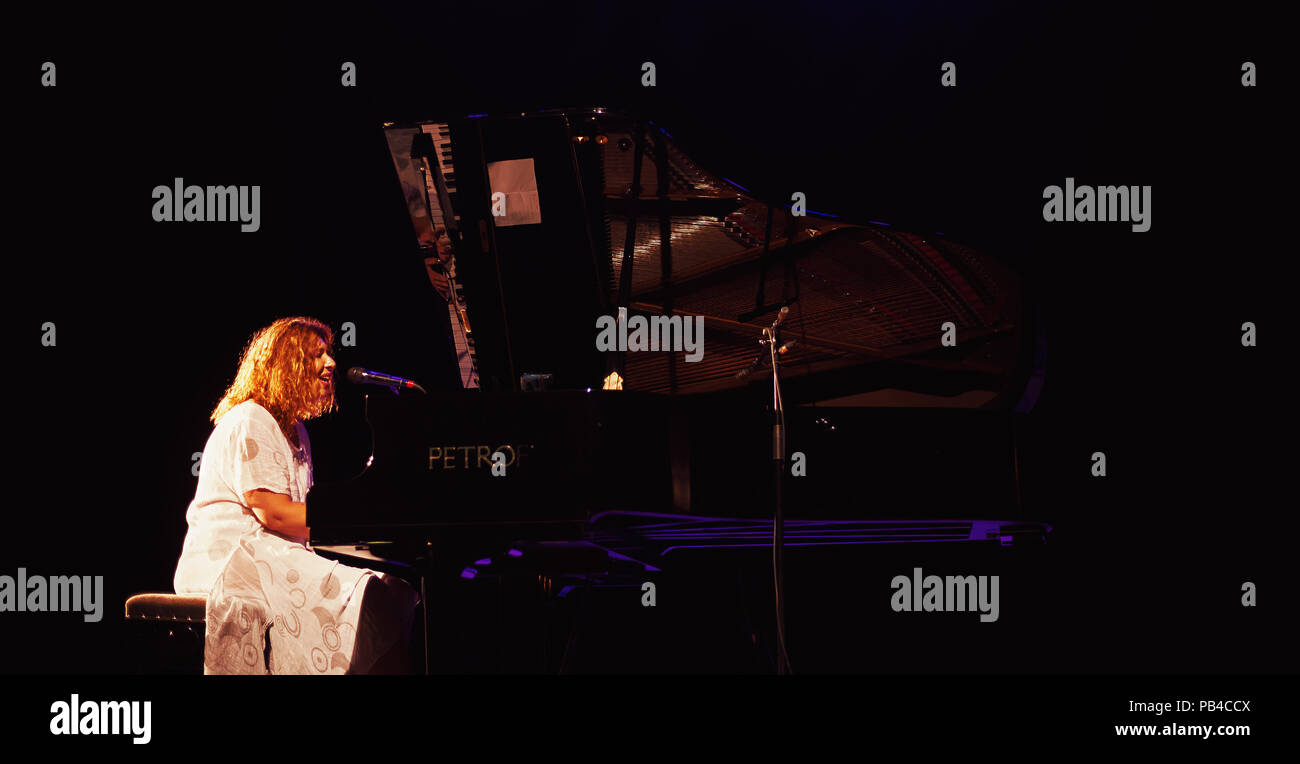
<point x="862" y="296"/>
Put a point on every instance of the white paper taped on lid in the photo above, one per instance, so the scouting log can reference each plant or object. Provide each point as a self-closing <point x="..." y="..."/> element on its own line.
<point x="515" y="178"/>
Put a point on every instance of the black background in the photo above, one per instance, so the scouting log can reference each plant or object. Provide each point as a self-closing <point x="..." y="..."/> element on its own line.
<point x="841" y="102"/>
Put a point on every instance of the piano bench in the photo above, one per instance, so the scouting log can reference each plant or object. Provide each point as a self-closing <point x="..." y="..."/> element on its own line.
<point x="170" y="631"/>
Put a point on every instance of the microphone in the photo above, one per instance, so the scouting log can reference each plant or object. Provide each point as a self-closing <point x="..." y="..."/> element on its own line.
<point x="771" y="330"/>
<point x="770" y="333"/>
<point x="362" y="376"/>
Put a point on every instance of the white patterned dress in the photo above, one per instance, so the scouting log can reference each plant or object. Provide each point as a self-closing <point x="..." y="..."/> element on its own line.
<point x="321" y="616"/>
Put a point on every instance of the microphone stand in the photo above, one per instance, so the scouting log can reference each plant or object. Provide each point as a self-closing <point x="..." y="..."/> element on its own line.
<point x="773" y="341"/>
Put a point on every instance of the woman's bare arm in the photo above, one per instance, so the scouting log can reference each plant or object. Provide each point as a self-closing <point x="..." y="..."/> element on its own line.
<point x="278" y="513"/>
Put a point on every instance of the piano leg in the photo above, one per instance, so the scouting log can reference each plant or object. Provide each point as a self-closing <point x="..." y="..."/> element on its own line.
<point x="428" y="625"/>
<point x="456" y="620"/>
<point x="434" y="593"/>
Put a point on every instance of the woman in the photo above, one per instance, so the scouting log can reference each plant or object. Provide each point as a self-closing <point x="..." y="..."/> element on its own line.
<point x="272" y="604"/>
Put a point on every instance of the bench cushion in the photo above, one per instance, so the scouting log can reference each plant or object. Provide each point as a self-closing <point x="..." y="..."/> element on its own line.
<point x="166" y="607"/>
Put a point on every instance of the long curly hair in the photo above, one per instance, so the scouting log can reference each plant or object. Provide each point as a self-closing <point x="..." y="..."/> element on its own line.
<point x="277" y="371"/>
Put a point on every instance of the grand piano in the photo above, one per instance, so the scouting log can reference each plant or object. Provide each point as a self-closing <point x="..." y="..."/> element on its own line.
<point x="560" y="471"/>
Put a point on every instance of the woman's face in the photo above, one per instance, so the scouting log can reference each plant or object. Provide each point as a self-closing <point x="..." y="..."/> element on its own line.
<point x="324" y="367"/>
